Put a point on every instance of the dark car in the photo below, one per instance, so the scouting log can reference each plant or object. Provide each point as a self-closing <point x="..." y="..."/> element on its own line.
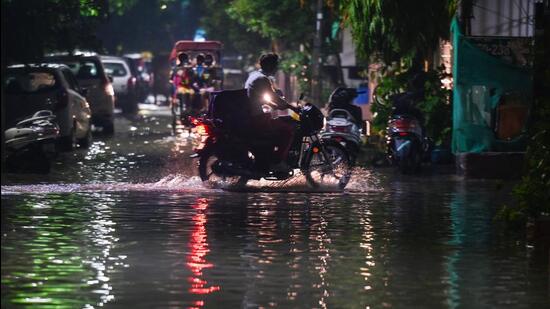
<point x="91" y="74"/>
<point x="34" y="87"/>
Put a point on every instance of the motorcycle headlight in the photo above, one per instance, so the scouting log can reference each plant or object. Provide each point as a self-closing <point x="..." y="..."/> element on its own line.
<point x="267" y="98"/>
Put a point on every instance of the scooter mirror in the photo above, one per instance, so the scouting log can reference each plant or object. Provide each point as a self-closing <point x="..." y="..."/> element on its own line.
<point x="301" y="96"/>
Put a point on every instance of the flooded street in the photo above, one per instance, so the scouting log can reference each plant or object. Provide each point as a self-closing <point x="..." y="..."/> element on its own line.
<point x="128" y="224"/>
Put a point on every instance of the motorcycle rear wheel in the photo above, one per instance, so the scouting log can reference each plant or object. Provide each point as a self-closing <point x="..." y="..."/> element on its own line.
<point x="321" y="172"/>
<point x="209" y="178"/>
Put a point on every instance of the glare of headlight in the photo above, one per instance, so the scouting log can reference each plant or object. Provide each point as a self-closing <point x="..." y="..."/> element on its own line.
<point x="267" y="97"/>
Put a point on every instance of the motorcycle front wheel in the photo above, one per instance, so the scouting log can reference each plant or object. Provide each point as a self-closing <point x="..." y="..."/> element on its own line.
<point x="329" y="168"/>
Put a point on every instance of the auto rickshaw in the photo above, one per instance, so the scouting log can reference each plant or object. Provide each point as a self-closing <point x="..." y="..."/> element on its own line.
<point x="193" y="81"/>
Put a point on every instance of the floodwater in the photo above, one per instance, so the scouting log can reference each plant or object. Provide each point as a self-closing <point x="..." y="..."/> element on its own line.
<point x="127" y="224"/>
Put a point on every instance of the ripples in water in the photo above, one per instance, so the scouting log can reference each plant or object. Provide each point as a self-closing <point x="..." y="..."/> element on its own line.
<point x="408" y="245"/>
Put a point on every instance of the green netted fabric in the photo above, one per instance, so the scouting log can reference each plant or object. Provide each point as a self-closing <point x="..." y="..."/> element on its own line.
<point x="480" y="80"/>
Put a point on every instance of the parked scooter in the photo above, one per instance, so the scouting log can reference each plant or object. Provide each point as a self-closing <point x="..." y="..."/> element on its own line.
<point x="32" y="140"/>
<point x="340" y="127"/>
<point x="344" y="121"/>
<point x="407" y="146"/>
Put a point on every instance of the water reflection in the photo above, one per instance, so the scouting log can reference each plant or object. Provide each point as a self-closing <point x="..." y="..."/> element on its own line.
<point x="43" y="261"/>
<point x="196" y="260"/>
<point x="406" y="246"/>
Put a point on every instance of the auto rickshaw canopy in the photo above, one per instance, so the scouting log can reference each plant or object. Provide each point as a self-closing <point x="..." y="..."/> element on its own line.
<point x="188" y="46"/>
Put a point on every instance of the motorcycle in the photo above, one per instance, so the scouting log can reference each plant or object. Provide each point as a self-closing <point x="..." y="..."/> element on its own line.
<point x="33" y="137"/>
<point x="407" y="147"/>
<point x="225" y="156"/>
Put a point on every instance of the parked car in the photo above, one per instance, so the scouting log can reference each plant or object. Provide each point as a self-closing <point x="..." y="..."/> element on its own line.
<point x="141" y="68"/>
<point x="33" y="87"/>
<point x="124" y="83"/>
<point x="91" y="75"/>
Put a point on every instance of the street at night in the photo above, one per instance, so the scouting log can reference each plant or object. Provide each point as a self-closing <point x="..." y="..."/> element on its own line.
<point x="326" y="154"/>
<point x="127" y="224"/>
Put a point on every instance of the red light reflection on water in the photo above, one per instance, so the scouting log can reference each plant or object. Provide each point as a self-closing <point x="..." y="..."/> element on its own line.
<point x="196" y="260"/>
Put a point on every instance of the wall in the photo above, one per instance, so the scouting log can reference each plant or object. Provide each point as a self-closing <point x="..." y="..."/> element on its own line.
<point x="503" y="18"/>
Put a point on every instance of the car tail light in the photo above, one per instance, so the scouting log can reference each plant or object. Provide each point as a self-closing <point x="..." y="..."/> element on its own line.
<point x="109" y="89"/>
<point x="62" y="100"/>
<point x="131" y="82"/>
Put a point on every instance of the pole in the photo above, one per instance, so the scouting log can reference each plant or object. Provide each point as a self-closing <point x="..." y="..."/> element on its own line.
<point x="316" y="57"/>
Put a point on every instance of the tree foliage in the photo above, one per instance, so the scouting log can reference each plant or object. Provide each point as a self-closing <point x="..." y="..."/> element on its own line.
<point x="236" y="37"/>
<point x="392" y="29"/>
<point x="34" y="26"/>
<point x="286" y="23"/>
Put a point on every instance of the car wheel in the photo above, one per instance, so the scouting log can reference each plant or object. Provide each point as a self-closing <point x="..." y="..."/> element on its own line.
<point x="86" y="141"/>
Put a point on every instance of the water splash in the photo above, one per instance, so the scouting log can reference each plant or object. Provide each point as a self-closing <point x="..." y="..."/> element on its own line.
<point x="168" y="183"/>
<point x="362" y="180"/>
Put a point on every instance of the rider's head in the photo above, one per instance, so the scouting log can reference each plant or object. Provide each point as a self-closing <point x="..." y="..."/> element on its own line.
<point x="200" y="59"/>
<point x="208" y="59"/>
<point x="269" y="63"/>
<point x="183" y="58"/>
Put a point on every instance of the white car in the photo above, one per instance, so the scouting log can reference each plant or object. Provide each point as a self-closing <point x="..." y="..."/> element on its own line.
<point x="91" y="75"/>
<point x="124" y="83"/>
<point x="49" y="87"/>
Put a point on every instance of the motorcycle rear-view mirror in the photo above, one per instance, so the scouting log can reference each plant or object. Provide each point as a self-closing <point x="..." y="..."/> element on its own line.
<point x="301" y="96"/>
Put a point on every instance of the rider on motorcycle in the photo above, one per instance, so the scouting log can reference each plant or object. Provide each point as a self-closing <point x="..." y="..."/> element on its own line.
<point x="259" y="85"/>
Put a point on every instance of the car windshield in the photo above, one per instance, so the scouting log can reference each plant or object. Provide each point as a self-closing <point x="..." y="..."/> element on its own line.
<point x="24" y="81"/>
<point x="114" y="69"/>
<point x="84" y="69"/>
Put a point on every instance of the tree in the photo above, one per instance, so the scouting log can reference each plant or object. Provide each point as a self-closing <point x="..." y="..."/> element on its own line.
<point x="236" y="37"/>
<point x="286" y="23"/>
<point x="34" y="27"/>
<point x="397" y="28"/>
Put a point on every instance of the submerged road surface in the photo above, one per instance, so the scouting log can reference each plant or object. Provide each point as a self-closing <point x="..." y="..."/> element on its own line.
<point x="127" y="224"/>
